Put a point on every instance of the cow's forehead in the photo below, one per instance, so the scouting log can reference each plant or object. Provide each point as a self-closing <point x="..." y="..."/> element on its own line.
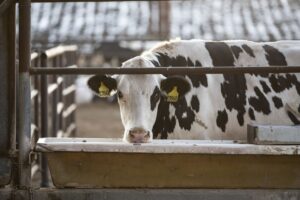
<point x="138" y="82"/>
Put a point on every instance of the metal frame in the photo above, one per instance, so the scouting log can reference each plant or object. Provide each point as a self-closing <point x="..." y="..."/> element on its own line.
<point x="168" y="70"/>
<point x="23" y="178"/>
<point x="55" y="91"/>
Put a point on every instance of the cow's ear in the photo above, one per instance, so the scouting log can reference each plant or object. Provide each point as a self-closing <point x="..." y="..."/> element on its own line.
<point x="174" y="87"/>
<point x="102" y="86"/>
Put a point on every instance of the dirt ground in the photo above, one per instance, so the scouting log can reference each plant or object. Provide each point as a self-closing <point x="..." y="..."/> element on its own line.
<point x="99" y="120"/>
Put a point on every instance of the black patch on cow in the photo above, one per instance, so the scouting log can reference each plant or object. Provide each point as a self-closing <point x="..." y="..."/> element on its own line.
<point x="222" y="120"/>
<point x="155" y="63"/>
<point x="198" y="80"/>
<point x="248" y="50"/>
<point x="164" y="124"/>
<point x="299" y="108"/>
<point x="184" y="114"/>
<point x="293" y="79"/>
<point x="234" y="86"/>
<point x="260" y="103"/>
<point x="274" y="56"/>
<point x="280" y="82"/>
<point x="236" y="51"/>
<point x="190" y="63"/>
<point x="293" y="118"/>
<point x="154" y="98"/>
<point x="220" y="53"/>
<point x="251" y="113"/>
<point x="180" y="61"/>
<point x="233" y="90"/>
<point x="277" y="102"/>
<point x="265" y="87"/>
<point x="195" y="103"/>
<point x="163" y="60"/>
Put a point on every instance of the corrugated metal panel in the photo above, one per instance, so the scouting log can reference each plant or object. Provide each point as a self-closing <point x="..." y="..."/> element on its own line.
<point x="258" y="20"/>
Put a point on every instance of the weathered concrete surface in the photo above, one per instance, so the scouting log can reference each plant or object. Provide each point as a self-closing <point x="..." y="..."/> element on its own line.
<point x="105" y="145"/>
<point x="149" y="194"/>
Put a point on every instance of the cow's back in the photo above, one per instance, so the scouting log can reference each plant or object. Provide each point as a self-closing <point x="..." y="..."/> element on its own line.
<point x="221" y="106"/>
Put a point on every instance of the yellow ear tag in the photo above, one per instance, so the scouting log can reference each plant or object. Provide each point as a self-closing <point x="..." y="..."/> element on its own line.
<point x="103" y="90"/>
<point x="173" y="95"/>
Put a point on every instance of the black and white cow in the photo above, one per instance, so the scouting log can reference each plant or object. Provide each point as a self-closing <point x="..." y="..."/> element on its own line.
<point x="205" y="106"/>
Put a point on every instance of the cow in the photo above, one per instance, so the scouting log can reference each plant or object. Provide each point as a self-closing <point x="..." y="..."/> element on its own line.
<point x="206" y="106"/>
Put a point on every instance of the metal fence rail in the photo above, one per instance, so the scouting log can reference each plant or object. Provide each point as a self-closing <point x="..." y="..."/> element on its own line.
<point x="56" y="92"/>
<point x="168" y="70"/>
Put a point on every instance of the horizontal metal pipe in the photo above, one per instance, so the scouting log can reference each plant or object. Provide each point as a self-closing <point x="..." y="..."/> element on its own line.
<point x="50" y="1"/>
<point x="167" y="70"/>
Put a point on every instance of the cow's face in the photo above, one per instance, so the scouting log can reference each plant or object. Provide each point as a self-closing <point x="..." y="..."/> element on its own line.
<point x="138" y="97"/>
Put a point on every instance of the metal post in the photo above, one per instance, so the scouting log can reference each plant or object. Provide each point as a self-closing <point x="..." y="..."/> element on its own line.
<point x="44" y="120"/>
<point x="24" y="92"/>
<point x="12" y="72"/>
<point x="54" y="101"/>
<point x="73" y="79"/>
<point x="36" y="98"/>
<point x="7" y="88"/>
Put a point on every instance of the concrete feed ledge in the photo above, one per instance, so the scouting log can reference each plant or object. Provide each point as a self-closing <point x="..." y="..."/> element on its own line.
<point x="162" y="146"/>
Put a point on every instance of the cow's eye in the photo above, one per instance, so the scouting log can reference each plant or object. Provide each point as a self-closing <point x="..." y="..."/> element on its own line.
<point x="120" y="95"/>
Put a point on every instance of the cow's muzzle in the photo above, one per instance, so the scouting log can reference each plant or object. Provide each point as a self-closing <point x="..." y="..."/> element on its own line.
<point x="138" y="135"/>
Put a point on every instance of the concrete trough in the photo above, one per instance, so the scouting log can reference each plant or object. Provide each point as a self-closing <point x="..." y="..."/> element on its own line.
<point x="111" y="163"/>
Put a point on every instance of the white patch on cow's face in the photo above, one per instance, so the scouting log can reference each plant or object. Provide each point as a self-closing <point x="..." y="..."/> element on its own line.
<point x="134" y="92"/>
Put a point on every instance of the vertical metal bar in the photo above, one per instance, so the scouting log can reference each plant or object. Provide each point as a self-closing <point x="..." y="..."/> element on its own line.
<point x="60" y="95"/>
<point x="67" y="84"/>
<point x="54" y="102"/>
<point x="12" y="98"/>
<point x="36" y="98"/>
<point x="7" y="88"/>
<point x="73" y="115"/>
<point x="12" y="78"/>
<point x="44" y="120"/>
<point x="64" y="62"/>
<point x="24" y="92"/>
<point x="4" y="63"/>
<point x="164" y="19"/>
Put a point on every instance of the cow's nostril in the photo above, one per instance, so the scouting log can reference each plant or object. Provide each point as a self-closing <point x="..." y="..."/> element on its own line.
<point x="138" y="135"/>
<point x="131" y="134"/>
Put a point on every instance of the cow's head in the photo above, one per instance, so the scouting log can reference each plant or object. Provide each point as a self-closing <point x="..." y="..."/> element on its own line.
<point x="138" y="97"/>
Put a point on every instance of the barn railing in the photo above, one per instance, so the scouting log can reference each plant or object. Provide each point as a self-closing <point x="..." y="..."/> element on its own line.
<point x="23" y="190"/>
<point x="56" y="92"/>
<point x="170" y="70"/>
